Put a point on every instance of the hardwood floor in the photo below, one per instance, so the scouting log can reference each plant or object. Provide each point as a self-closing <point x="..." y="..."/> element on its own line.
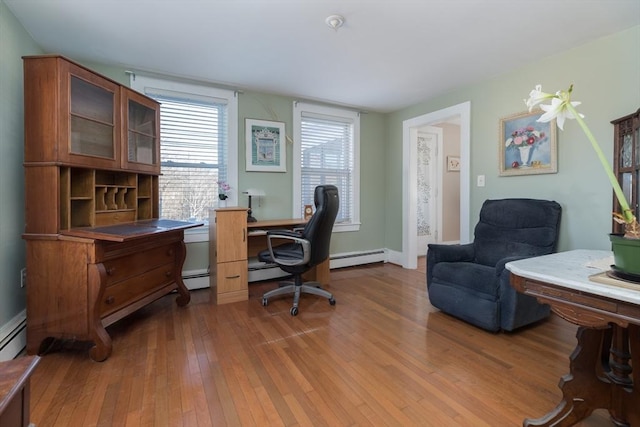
<point x="381" y="356"/>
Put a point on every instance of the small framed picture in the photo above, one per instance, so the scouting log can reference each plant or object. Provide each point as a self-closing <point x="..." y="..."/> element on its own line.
<point x="453" y="164"/>
<point x="265" y="145"/>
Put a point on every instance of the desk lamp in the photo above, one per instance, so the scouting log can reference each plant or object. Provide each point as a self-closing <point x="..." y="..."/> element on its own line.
<point x="252" y="193"/>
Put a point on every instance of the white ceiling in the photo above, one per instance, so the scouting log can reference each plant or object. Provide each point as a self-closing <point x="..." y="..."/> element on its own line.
<point x="389" y="54"/>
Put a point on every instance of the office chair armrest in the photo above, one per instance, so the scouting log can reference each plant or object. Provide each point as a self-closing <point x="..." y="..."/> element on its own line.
<point x="294" y="238"/>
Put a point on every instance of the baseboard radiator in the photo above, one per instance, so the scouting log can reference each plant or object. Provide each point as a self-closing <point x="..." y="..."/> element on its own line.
<point x="13" y="337"/>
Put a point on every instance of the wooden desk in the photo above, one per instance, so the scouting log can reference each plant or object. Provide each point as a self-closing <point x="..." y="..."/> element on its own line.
<point x="608" y="337"/>
<point x="14" y="390"/>
<point x="232" y="241"/>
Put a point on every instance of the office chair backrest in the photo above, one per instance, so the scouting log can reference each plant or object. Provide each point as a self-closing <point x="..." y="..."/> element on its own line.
<point x="318" y="229"/>
<point x="516" y="227"/>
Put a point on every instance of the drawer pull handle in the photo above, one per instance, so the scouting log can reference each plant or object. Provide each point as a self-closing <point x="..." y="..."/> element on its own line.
<point x="170" y="252"/>
<point x="110" y="300"/>
<point x="110" y="271"/>
<point x="237" y="276"/>
<point x="168" y="274"/>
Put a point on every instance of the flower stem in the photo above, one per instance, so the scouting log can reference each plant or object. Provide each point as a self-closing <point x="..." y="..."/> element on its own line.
<point x="624" y="205"/>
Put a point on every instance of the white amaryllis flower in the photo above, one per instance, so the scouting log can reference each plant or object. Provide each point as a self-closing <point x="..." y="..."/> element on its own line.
<point x="562" y="108"/>
<point x="558" y="109"/>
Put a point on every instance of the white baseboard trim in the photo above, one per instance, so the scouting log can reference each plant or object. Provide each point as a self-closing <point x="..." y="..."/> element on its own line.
<point x="199" y="279"/>
<point x="395" y="257"/>
<point x="13" y="337"/>
<point x="196" y="279"/>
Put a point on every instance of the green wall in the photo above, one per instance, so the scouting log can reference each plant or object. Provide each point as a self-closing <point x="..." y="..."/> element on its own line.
<point x="14" y="43"/>
<point x="606" y="78"/>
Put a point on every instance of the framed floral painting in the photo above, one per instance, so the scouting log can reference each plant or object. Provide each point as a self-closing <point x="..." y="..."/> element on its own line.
<point x="526" y="146"/>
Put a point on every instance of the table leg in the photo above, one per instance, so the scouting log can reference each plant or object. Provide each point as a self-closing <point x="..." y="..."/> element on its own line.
<point x="600" y="377"/>
<point x="581" y="386"/>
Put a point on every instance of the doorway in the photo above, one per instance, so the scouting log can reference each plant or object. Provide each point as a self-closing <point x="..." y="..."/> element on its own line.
<point x="461" y="113"/>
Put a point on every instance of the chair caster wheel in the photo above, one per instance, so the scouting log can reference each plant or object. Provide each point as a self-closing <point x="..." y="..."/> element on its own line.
<point x="332" y="301"/>
<point x="294" y="311"/>
<point x="264" y="302"/>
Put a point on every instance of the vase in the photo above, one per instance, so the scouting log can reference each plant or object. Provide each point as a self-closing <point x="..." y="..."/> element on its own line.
<point x="222" y="203"/>
<point x="525" y="151"/>
<point x="626" y="254"/>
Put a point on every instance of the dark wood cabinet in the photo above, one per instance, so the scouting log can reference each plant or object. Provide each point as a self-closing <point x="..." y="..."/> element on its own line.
<point x="626" y="162"/>
<point x="96" y="249"/>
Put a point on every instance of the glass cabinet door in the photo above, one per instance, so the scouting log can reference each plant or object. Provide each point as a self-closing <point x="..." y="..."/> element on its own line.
<point x="142" y="127"/>
<point x="92" y="120"/>
<point x="627" y="162"/>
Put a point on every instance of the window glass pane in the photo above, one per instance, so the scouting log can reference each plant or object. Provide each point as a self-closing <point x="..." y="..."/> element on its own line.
<point x="193" y="147"/>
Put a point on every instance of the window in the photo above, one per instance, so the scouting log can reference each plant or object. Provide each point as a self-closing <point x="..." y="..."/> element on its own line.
<point x="328" y="153"/>
<point x="198" y="145"/>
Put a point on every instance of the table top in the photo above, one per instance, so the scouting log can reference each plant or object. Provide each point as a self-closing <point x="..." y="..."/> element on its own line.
<point x="571" y="269"/>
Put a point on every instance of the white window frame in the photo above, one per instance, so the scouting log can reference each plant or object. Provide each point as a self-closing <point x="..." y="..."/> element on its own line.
<point x="141" y="83"/>
<point x="340" y="114"/>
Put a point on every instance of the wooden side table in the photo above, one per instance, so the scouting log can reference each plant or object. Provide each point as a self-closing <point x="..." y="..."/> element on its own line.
<point x="605" y="365"/>
<point x="14" y="390"/>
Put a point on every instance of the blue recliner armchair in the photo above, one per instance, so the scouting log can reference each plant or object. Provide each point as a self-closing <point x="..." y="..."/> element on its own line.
<point x="470" y="282"/>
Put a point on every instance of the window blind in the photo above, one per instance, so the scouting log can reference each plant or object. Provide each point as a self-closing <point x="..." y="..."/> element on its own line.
<point x="193" y="153"/>
<point x="327" y="158"/>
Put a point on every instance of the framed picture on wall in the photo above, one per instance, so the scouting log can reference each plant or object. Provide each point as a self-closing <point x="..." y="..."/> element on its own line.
<point x="265" y="146"/>
<point x="527" y="147"/>
<point x="453" y="164"/>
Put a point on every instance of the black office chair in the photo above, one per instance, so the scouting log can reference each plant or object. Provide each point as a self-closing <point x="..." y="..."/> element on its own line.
<point x="306" y="248"/>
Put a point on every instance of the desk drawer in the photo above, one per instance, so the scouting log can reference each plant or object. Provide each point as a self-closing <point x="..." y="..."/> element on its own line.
<point x="127" y="291"/>
<point x="138" y="263"/>
<point x="231" y="281"/>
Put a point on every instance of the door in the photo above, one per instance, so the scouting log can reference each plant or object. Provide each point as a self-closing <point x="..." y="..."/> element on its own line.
<point x="429" y="185"/>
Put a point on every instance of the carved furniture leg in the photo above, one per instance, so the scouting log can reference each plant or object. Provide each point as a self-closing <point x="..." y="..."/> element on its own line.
<point x="98" y="334"/>
<point x="581" y="385"/>
<point x="184" y="297"/>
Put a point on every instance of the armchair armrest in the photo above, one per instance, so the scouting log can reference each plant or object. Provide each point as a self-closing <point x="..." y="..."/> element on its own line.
<point x="451" y="253"/>
<point x="294" y="238"/>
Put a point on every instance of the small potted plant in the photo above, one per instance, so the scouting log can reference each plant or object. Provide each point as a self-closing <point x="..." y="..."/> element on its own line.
<point x="223" y="192"/>
<point x="626" y="248"/>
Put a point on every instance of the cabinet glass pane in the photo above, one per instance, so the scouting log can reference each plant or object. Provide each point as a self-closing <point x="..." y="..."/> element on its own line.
<point x="142" y="119"/>
<point x="92" y="119"/>
<point x="142" y="134"/>
<point x="91" y="138"/>
<point x="91" y="101"/>
<point x="626" y="151"/>
<point x="638" y="147"/>
<point x="142" y="148"/>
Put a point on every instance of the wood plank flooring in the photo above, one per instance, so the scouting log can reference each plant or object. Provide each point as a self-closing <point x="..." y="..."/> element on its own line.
<point x="382" y="356"/>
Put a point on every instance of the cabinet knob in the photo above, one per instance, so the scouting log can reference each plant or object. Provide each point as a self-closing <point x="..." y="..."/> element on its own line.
<point x="170" y="252"/>
<point x="168" y="273"/>
<point x="110" y="300"/>
<point x="110" y="271"/>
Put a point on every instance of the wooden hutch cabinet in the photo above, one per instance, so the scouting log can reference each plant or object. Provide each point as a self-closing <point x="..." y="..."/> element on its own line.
<point x="626" y="150"/>
<point x="96" y="249"/>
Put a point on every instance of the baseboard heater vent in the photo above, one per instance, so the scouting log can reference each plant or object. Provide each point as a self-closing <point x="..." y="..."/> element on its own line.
<point x="13" y="337"/>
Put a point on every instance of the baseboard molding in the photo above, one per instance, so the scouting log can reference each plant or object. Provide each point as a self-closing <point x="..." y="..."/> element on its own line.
<point x="13" y="337"/>
<point x="199" y="279"/>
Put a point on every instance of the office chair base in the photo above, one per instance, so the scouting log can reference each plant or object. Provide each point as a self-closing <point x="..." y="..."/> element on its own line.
<point x="290" y="288"/>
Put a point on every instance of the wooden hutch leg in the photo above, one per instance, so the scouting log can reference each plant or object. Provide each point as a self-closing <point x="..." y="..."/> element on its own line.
<point x="184" y="297"/>
<point x="102" y="341"/>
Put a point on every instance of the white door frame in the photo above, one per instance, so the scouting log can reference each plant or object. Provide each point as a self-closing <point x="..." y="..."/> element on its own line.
<point x="409" y="177"/>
